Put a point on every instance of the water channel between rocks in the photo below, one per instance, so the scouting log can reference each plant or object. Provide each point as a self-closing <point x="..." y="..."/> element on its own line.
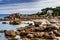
<point x="11" y="27"/>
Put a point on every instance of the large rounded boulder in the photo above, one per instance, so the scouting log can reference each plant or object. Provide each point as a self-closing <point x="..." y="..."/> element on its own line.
<point x="10" y="33"/>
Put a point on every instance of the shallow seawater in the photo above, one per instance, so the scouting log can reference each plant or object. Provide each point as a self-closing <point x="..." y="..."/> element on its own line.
<point x="11" y="27"/>
<point x="2" y="36"/>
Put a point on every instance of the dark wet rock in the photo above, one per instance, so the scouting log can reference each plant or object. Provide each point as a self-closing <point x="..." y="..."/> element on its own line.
<point x="37" y="22"/>
<point x="30" y="24"/>
<point x="50" y="28"/>
<point x="36" y="25"/>
<point x="10" y="33"/>
<point x="4" y="23"/>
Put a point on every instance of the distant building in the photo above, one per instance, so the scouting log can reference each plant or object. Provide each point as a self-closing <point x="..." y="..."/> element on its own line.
<point x="50" y="12"/>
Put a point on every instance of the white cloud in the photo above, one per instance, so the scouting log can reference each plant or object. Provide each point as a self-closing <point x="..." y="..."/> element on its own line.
<point x="30" y="7"/>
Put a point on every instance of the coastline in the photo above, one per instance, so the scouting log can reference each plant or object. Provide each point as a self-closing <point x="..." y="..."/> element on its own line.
<point x="36" y="26"/>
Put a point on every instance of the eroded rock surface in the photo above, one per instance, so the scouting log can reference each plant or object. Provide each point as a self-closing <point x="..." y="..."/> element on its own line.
<point x="44" y="29"/>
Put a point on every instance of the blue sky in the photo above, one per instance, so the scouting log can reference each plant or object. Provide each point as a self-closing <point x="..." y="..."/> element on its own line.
<point x="15" y="1"/>
<point x="25" y="6"/>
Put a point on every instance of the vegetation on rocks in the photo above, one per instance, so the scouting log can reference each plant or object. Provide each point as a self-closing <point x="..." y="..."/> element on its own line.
<point x="56" y="11"/>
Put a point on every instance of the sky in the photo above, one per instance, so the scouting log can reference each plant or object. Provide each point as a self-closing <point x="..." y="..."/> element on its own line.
<point x="26" y="6"/>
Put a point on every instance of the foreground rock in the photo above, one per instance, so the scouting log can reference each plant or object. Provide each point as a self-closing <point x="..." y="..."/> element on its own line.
<point x="43" y="29"/>
<point x="34" y="32"/>
<point x="10" y="33"/>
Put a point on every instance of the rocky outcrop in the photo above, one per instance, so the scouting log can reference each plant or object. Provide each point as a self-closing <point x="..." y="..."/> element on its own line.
<point x="20" y="16"/>
<point x="42" y="29"/>
<point x="36" y="32"/>
<point x="15" y="22"/>
<point x="12" y="16"/>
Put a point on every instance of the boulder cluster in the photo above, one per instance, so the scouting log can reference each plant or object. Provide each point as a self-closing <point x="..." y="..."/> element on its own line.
<point x="15" y="22"/>
<point x="19" y="16"/>
<point x="13" y="17"/>
<point x="43" y="29"/>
